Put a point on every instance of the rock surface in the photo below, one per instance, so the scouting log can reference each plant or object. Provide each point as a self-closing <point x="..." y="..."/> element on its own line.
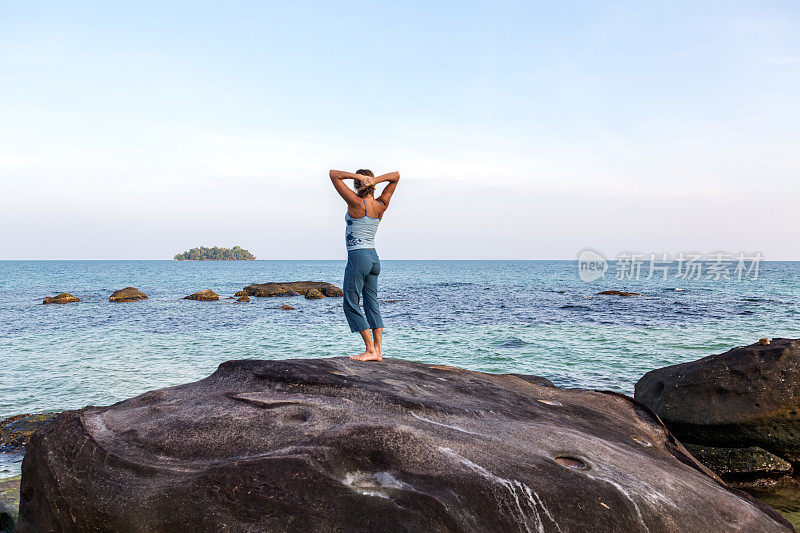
<point x="785" y="497"/>
<point x="337" y="445"/>
<point x="618" y="293"/>
<point x="739" y="463"/>
<point x="286" y="307"/>
<point x="204" y="295"/>
<point x="9" y="503"/>
<point x="244" y="298"/>
<point x="332" y="291"/>
<point x="747" y="396"/>
<point x="314" y="294"/>
<point x="16" y="431"/>
<point x="6" y="518"/>
<point x="128" y="294"/>
<point x="239" y="294"/>
<point x="292" y="288"/>
<point x="63" y="298"/>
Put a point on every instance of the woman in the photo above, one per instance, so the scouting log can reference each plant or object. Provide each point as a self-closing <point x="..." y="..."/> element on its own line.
<point x="364" y="213"/>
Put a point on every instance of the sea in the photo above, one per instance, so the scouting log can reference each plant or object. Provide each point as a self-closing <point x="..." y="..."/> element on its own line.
<point x="530" y="317"/>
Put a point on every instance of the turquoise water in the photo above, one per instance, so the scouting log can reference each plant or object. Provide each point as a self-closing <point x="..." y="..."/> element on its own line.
<point x="534" y="317"/>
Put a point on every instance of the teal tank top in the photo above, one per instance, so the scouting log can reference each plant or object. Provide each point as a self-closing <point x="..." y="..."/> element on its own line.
<point x="360" y="232"/>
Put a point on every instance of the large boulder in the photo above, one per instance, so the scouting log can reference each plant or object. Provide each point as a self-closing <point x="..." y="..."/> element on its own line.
<point x="128" y="294"/>
<point x="292" y="288"/>
<point x="338" y="445"/>
<point x="748" y="396"/>
<point x="63" y="298"/>
<point x="204" y="295"/>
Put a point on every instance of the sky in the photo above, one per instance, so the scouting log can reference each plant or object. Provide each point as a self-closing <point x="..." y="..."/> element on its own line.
<point x="521" y="130"/>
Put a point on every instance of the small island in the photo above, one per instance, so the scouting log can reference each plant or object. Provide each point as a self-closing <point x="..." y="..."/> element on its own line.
<point x="216" y="253"/>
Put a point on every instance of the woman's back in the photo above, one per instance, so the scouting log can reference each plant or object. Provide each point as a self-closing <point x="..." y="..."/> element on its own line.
<point x="360" y="231"/>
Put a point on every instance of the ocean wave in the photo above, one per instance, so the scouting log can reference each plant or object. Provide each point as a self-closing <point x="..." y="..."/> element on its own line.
<point x="513" y="342"/>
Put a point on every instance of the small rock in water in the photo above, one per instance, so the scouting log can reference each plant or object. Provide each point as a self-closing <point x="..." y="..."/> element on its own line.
<point x="244" y="298"/>
<point x="293" y="288"/>
<point x="128" y="294"/>
<point x="764" y="342"/>
<point x="63" y="298"/>
<point x="618" y="293"/>
<point x="332" y="291"/>
<point x="314" y="294"/>
<point x="286" y="307"/>
<point x="241" y="293"/>
<point x="204" y="295"/>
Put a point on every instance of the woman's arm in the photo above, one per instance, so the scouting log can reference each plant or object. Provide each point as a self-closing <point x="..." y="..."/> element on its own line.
<point x="347" y="194"/>
<point x="388" y="191"/>
<point x="342" y="175"/>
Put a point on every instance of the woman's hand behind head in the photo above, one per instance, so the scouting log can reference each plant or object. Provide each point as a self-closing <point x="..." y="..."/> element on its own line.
<point x="367" y="181"/>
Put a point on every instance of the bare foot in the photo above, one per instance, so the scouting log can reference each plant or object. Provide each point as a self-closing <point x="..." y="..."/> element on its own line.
<point x="368" y="355"/>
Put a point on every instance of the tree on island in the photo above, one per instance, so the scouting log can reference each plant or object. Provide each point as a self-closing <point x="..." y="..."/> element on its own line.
<point x="216" y="253"/>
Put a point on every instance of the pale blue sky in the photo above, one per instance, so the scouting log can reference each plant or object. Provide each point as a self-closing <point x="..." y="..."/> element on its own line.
<point x="521" y="129"/>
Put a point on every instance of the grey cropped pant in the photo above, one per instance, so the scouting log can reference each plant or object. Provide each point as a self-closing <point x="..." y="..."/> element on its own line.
<point x="361" y="279"/>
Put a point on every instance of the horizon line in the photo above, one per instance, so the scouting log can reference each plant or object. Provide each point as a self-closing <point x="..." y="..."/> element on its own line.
<point x="344" y="259"/>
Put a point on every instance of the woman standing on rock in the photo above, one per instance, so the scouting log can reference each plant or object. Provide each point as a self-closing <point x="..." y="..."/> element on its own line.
<point x="364" y="213"/>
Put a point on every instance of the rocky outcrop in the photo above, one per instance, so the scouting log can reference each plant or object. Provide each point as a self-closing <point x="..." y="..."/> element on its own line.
<point x="204" y="295"/>
<point x="293" y="288"/>
<point x="244" y="298"/>
<point x="63" y="298"/>
<point x="9" y="503"/>
<point x="332" y="291"/>
<point x="239" y="294"/>
<point x="746" y="397"/>
<point x="740" y="463"/>
<point x="128" y="294"/>
<point x="784" y="497"/>
<point x="337" y="445"/>
<point x="16" y="431"/>
<point x="314" y="294"/>
<point x="618" y="293"/>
